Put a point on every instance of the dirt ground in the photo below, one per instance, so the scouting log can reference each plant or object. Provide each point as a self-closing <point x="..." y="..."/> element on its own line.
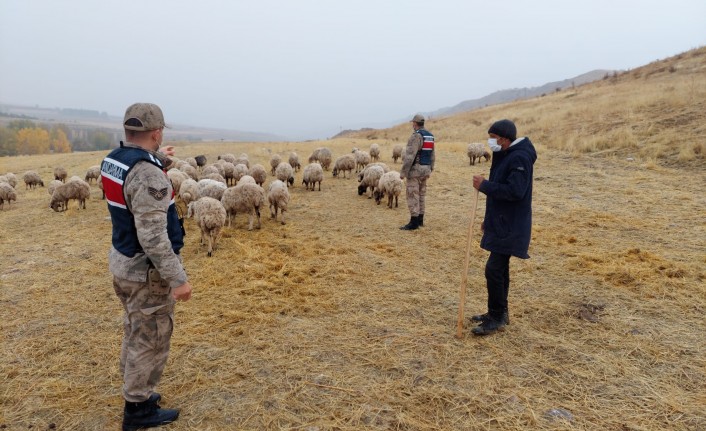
<point x="340" y="321"/>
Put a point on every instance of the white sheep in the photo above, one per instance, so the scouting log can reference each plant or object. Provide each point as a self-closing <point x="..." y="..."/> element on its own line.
<point x="189" y="191"/>
<point x="475" y="151"/>
<point x="345" y="163"/>
<point x="75" y="188"/>
<point x="275" y="160"/>
<point x="10" y="179"/>
<point x="211" y="188"/>
<point x="313" y="173"/>
<point x="190" y="171"/>
<point x="285" y="173"/>
<point x="176" y="177"/>
<point x="229" y="172"/>
<point x="7" y="194"/>
<point x="246" y="179"/>
<point x="210" y="216"/>
<point x="294" y="161"/>
<point x="210" y="169"/>
<point x="390" y="185"/>
<point x="374" y="152"/>
<point x="242" y="159"/>
<point x="278" y="196"/>
<point x="396" y="152"/>
<point x="56" y="183"/>
<point x="246" y="197"/>
<point x="32" y="180"/>
<point x="259" y="173"/>
<point x="381" y="164"/>
<point x="362" y="159"/>
<point x="227" y="157"/>
<point x="192" y="161"/>
<point x="321" y="155"/>
<point x="239" y="172"/>
<point x="369" y="178"/>
<point x="60" y="174"/>
<point x="93" y="173"/>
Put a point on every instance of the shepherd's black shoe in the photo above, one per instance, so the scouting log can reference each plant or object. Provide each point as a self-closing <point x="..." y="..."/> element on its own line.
<point x="485" y="316"/>
<point x="420" y="219"/>
<point x="412" y="225"/>
<point x="490" y="326"/>
<point x="146" y="414"/>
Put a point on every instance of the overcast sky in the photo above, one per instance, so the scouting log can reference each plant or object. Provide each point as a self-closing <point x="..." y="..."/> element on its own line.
<point x="305" y="69"/>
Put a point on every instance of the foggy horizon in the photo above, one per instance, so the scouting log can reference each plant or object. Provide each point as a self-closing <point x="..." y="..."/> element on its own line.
<point x="310" y="69"/>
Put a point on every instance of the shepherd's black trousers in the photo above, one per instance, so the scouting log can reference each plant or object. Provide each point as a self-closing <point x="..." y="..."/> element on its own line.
<point x="497" y="276"/>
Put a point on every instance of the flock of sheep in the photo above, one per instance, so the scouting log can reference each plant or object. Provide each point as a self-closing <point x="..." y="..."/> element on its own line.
<point x="214" y="193"/>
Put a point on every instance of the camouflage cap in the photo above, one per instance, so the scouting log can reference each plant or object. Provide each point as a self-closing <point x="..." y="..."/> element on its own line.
<point x="419" y="118"/>
<point x="143" y="116"/>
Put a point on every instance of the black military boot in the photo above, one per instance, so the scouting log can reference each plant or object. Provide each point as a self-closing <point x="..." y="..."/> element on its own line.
<point x="420" y="218"/>
<point x="412" y="225"/>
<point x="485" y="316"/>
<point x="490" y="326"/>
<point x="155" y="398"/>
<point x="146" y="414"/>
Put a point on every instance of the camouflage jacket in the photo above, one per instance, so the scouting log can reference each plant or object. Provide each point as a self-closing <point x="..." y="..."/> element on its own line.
<point x="410" y="165"/>
<point x="150" y="213"/>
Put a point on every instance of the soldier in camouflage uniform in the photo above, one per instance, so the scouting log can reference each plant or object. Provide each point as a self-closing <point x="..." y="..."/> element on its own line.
<point x="417" y="165"/>
<point x="148" y="275"/>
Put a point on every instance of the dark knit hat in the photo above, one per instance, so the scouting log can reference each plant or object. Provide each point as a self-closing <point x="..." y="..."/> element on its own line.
<point x="504" y="129"/>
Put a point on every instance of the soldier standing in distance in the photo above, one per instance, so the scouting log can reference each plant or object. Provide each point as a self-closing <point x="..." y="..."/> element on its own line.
<point x="148" y="275"/>
<point x="417" y="166"/>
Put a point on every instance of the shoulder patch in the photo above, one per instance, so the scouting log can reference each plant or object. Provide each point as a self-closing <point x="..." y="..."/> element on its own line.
<point x="157" y="194"/>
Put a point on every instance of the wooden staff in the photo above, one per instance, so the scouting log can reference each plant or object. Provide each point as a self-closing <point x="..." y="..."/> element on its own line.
<point x="464" y="277"/>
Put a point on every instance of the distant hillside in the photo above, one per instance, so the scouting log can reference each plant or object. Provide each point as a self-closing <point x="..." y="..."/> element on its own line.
<point x="510" y="95"/>
<point x="81" y="120"/>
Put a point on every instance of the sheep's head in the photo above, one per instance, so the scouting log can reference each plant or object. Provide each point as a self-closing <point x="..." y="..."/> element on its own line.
<point x="362" y="189"/>
<point x="290" y="181"/>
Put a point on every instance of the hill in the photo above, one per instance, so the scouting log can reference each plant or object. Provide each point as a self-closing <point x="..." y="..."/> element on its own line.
<point x="340" y="321"/>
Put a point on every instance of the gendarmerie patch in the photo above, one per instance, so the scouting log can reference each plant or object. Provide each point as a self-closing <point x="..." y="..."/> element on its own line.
<point x="157" y="194"/>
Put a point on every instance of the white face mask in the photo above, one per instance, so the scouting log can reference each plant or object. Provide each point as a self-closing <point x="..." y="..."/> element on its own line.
<point x="494" y="146"/>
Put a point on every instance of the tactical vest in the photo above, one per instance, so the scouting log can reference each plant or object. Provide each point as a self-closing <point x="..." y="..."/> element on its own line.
<point x="424" y="153"/>
<point x="114" y="169"/>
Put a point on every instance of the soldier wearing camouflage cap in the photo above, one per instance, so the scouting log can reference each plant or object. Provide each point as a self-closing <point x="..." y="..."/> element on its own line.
<point x="417" y="166"/>
<point x="148" y="275"/>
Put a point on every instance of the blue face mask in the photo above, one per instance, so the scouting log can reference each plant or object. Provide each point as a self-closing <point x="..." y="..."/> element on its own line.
<point x="494" y="146"/>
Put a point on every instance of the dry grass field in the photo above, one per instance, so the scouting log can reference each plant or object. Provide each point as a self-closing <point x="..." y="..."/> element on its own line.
<point x="340" y="321"/>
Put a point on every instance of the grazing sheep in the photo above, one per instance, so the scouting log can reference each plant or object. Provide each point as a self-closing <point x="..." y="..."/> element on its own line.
<point x="259" y="173"/>
<point x="396" y="152"/>
<point x="192" y="161"/>
<point x="190" y="171"/>
<point x="294" y="161"/>
<point x="211" y="188"/>
<point x="93" y="173"/>
<point x="228" y="171"/>
<point x="56" y="183"/>
<point x="390" y="185"/>
<point x="313" y="173"/>
<point x="475" y="151"/>
<point x="242" y="159"/>
<point x="245" y="197"/>
<point x="10" y="179"/>
<point x="239" y="172"/>
<point x="32" y="180"/>
<point x="60" y="174"/>
<point x="278" y="196"/>
<point x="362" y="159"/>
<point x="7" y="193"/>
<point x="285" y="173"/>
<point x="321" y="155"/>
<point x="200" y="161"/>
<point x="210" y="169"/>
<point x="227" y="157"/>
<point x="246" y="179"/>
<point x="275" y="160"/>
<point x="381" y="164"/>
<point x="189" y="191"/>
<point x="369" y="178"/>
<point x="76" y="189"/>
<point x="374" y="152"/>
<point x="210" y="216"/>
<point x="176" y="177"/>
<point x="343" y="164"/>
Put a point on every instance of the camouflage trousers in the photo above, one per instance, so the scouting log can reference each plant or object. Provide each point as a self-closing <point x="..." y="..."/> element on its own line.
<point x="147" y="325"/>
<point x="416" y="195"/>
